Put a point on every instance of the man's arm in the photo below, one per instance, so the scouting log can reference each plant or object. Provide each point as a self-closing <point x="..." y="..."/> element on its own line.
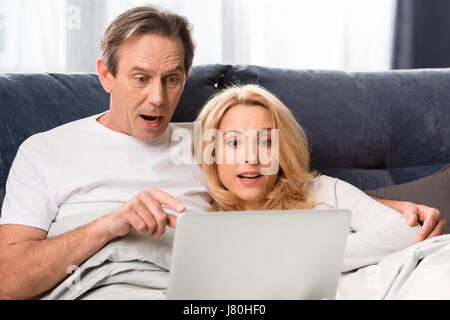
<point x="430" y="218"/>
<point x="31" y="264"/>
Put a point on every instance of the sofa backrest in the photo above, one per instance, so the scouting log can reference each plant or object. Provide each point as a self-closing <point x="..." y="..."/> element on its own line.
<point x="371" y="129"/>
<point x="32" y="103"/>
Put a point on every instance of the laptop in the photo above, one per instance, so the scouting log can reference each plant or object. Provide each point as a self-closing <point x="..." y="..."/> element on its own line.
<point x="258" y="255"/>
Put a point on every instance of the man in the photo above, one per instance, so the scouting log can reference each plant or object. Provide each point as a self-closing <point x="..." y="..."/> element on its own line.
<point x="101" y="162"/>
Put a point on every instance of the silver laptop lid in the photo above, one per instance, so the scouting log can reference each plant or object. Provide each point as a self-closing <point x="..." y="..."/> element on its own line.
<point x="295" y="254"/>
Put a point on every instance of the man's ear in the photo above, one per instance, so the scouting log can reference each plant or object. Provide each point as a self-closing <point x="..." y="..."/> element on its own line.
<point x="104" y="75"/>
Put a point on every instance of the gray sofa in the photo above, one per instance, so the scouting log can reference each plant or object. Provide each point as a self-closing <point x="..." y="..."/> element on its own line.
<point x="372" y="129"/>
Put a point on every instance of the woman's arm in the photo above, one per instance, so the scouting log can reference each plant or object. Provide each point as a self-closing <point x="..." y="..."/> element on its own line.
<point x="378" y="229"/>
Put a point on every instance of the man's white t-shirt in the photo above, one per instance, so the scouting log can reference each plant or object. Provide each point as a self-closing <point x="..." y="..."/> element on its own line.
<point x="83" y="167"/>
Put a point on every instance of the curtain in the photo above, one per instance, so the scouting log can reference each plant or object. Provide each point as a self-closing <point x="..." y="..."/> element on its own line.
<point x="64" y="35"/>
<point x="346" y="35"/>
<point x="422" y="34"/>
<point x="83" y="32"/>
<point x="32" y="35"/>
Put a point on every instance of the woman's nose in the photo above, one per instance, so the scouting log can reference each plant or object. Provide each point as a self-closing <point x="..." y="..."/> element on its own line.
<point x="251" y="153"/>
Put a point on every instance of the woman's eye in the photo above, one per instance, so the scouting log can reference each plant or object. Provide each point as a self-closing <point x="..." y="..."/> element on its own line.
<point x="265" y="142"/>
<point x="233" y="143"/>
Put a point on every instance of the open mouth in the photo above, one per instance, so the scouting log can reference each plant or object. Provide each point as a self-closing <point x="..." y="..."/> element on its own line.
<point x="151" y="122"/>
<point x="150" y="118"/>
<point x="249" y="176"/>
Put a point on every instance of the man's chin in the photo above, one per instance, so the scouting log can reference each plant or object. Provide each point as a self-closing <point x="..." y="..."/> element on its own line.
<point x="149" y="134"/>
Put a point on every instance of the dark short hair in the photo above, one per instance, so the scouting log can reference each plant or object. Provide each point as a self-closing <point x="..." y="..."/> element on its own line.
<point x="145" y="19"/>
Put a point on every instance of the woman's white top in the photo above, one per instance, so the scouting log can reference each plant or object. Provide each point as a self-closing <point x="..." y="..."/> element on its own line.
<point x="375" y="229"/>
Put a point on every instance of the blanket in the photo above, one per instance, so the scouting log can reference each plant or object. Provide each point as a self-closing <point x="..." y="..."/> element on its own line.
<point x="137" y="267"/>
<point x="421" y="271"/>
<point x="129" y="267"/>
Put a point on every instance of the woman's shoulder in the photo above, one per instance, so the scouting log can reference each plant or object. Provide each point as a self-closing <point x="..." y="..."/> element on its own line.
<point x="323" y="182"/>
<point x="337" y="192"/>
<point x="323" y="189"/>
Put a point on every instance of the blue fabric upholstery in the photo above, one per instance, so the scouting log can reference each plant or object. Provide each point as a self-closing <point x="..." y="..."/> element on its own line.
<point x="203" y="82"/>
<point x="371" y="129"/>
<point x="32" y="103"/>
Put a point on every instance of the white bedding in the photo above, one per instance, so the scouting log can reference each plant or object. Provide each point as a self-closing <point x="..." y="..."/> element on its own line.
<point x="421" y="271"/>
<point x="137" y="267"/>
<point x="130" y="267"/>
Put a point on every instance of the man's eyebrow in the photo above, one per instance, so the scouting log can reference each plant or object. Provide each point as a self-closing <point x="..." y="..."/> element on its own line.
<point x="176" y="69"/>
<point x="140" y="69"/>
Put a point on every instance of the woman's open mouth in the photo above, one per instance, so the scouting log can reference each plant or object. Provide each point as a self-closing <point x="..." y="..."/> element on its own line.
<point x="151" y="121"/>
<point x="249" y="178"/>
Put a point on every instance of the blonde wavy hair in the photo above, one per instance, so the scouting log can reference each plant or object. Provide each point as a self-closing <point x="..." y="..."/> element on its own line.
<point x="291" y="187"/>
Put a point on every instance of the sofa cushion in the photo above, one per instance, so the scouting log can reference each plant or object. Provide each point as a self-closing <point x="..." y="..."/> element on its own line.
<point x="370" y="125"/>
<point x="431" y="191"/>
<point x="32" y="103"/>
<point x="367" y="179"/>
<point x="201" y="85"/>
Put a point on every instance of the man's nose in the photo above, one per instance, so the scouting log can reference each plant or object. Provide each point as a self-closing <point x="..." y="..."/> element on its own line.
<point x="156" y="93"/>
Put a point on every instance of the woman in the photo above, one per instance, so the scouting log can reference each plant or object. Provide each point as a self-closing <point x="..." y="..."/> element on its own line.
<point x="248" y="122"/>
